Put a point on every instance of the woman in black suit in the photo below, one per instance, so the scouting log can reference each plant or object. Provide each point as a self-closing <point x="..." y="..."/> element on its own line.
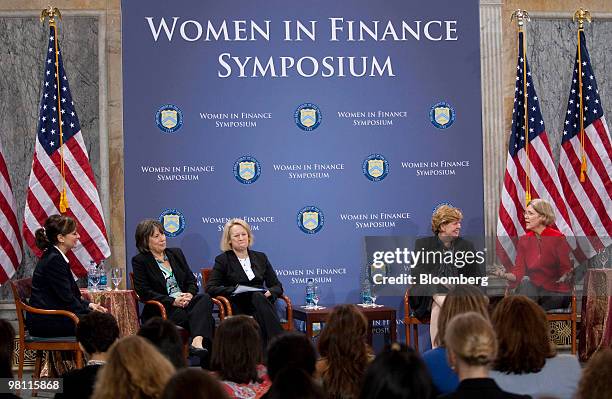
<point x="53" y="286"/>
<point x="240" y="266"/>
<point x="443" y="255"/>
<point x="162" y="274"/>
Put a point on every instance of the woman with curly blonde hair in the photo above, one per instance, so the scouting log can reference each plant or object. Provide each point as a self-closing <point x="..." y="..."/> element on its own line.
<point x="134" y="369"/>
<point x="344" y="352"/>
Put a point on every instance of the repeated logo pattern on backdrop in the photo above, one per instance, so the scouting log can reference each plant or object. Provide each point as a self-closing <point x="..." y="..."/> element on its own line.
<point x="319" y="130"/>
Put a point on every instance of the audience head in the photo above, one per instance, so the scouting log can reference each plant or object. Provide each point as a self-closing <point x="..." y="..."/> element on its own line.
<point x="226" y="237"/>
<point x="342" y="344"/>
<point x="134" y="369"/>
<point x="470" y="341"/>
<point x="294" y="383"/>
<point x="146" y="229"/>
<point x="237" y="349"/>
<point x="291" y="350"/>
<point x="444" y="215"/>
<point x="55" y="229"/>
<point x="596" y="382"/>
<point x="522" y="334"/>
<point x="460" y="299"/>
<point x="164" y="336"/>
<point x="191" y="383"/>
<point x="7" y="348"/>
<point x="96" y="332"/>
<point x="397" y="373"/>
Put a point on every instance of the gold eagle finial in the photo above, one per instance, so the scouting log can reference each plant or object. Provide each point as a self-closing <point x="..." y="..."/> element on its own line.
<point x="50" y="12"/>
<point x="521" y="16"/>
<point x="581" y="15"/>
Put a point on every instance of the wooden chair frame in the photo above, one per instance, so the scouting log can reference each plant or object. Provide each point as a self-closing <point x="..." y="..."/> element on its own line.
<point x="411" y="322"/>
<point x="39" y="346"/>
<point x="288" y="325"/>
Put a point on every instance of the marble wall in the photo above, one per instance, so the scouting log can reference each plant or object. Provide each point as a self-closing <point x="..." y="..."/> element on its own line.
<point x="22" y="58"/>
<point x="90" y="37"/>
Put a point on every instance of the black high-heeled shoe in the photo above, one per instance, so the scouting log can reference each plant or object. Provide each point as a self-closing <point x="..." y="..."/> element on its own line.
<point x="202" y="353"/>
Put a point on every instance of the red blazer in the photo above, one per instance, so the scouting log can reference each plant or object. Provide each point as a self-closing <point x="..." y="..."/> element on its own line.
<point x="544" y="259"/>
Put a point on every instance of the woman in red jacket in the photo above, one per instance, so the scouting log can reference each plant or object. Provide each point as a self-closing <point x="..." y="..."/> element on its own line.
<point x="542" y="262"/>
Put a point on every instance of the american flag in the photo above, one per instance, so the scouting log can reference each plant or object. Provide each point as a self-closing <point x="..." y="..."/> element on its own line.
<point x="529" y="168"/>
<point x="589" y="202"/>
<point x="11" y="248"/>
<point x="53" y="161"/>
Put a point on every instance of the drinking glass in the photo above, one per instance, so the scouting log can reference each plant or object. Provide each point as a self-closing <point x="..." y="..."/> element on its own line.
<point x="373" y="297"/>
<point x="116" y="277"/>
<point x="316" y="298"/>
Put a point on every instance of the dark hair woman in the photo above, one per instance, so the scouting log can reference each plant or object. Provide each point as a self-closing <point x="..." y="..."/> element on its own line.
<point x="344" y="352"/>
<point x="191" y="383"/>
<point x="397" y="373"/>
<point x="53" y="286"/>
<point x="162" y="274"/>
<point x="527" y="362"/>
<point x="291" y="364"/>
<point x="237" y="358"/>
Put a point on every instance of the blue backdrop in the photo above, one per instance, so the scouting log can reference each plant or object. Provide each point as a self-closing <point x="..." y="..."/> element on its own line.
<point x="228" y="112"/>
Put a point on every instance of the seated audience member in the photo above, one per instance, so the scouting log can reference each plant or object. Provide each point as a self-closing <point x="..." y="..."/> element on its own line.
<point x="96" y="332"/>
<point x="294" y="383"/>
<point x="134" y="369"/>
<point x="7" y="348"/>
<point x="291" y="364"/>
<point x="162" y="274"/>
<point x="527" y="362"/>
<point x="596" y="381"/>
<point x="193" y="383"/>
<point x="397" y="373"/>
<point x="164" y="336"/>
<point x="344" y="352"/>
<point x="460" y="299"/>
<point x="237" y="358"/>
<point x="471" y="345"/>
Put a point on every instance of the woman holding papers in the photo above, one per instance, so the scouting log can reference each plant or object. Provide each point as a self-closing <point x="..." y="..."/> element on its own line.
<point x="247" y="278"/>
<point x="162" y="274"/>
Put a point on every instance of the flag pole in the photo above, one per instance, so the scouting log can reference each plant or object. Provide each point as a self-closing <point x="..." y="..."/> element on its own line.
<point x="51" y="12"/>
<point x="521" y="17"/>
<point x="581" y="15"/>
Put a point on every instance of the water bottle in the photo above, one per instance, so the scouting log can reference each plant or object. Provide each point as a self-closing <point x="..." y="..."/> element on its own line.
<point x="310" y="291"/>
<point x="90" y="272"/>
<point x="366" y="292"/>
<point x="103" y="279"/>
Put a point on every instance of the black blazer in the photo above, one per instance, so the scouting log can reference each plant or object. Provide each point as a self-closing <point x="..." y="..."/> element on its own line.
<point x="53" y="286"/>
<point x="149" y="282"/>
<point x="481" y="388"/>
<point x="228" y="273"/>
<point x="420" y="295"/>
<point x="79" y="383"/>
